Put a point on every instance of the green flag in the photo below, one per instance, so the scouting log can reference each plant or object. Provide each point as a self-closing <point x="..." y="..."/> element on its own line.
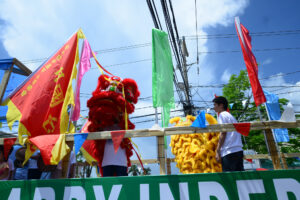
<point x="162" y="74"/>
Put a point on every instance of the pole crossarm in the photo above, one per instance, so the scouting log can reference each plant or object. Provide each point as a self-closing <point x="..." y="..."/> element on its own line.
<point x="186" y="130"/>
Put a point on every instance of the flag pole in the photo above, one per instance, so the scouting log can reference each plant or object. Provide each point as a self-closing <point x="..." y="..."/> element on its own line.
<point x="72" y="107"/>
<point x="260" y="118"/>
<point x="156" y="116"/>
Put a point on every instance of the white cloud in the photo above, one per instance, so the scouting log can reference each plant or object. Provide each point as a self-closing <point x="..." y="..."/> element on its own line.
<point x="267" y="62"/>
<point x="226" y="76"/>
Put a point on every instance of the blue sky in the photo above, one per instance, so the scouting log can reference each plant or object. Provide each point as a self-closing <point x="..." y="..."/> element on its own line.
<point x="31" y="30"/>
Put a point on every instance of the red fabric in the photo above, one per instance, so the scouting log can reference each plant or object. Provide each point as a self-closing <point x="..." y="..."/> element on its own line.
<point x="117" y="137"/>
<point x="137" y="155"/>
<point x="107" y="108"/>
<point x="40" y="98"/>
<point x="261" y="169"/>
<point x="45" y="144"/>
<point x="251" y="65"/>
<point x="8" y="143"/>
<point x="242" y="128"/>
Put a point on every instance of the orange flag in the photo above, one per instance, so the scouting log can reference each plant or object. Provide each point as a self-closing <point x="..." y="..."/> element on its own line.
<point x="41" y="102"/>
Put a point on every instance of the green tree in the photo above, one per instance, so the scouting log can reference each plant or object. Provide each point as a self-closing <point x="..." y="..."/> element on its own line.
<point x="147" y="171"/>
<point x="134" y="170"/>
<point x="237" y="91"/>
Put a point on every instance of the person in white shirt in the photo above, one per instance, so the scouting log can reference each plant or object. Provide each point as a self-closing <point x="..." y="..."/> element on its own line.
<point x="230" y="148"/>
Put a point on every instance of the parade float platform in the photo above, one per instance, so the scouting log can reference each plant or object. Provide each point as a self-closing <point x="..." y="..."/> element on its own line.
<point x="279" y="184"/>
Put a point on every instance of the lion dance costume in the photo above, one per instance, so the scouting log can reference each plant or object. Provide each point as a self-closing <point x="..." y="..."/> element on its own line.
<point x="110" y="104"/>
<point x="195" y="153"/>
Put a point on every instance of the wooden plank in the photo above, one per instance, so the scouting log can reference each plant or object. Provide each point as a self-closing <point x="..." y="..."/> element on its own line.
<point x="273" y="149"/>
<point x="161" y="154"/>
<point x="168" y="166"/>
<point x="65" y="162"/>
<point x="4" y="82"/>
<point x="291" y="155"/>
<point x="26" y="70"/>
<point x="145" y="161"/>
<point x="257" y="156"/>
<point x="187" y="130"/>
<point x="285" y="166"/>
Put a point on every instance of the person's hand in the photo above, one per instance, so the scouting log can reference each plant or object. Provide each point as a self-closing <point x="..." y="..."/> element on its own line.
<point x="94" y="163"/>
<point x="218" y="156"/>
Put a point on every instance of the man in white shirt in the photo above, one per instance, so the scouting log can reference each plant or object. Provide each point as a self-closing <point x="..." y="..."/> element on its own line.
<point x="230" y="148"/>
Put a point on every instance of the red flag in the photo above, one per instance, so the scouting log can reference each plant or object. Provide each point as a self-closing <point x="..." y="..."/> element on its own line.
<point x="8" y="143"/>
<point x="251" y="64"/>
<point x="117" y="137"/>
<point x="242" y="128"/>
<point x="41" y="102"/>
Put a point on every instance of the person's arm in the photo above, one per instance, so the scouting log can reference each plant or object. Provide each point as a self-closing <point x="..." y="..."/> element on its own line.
<point x="220" y="144"/>
<point x="4" y="171"/>
<point x="72" y="171"/>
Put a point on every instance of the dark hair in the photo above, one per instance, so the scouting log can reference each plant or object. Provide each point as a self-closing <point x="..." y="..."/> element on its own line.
<point x="2" y="151"/>
<point x="221" y="100"/>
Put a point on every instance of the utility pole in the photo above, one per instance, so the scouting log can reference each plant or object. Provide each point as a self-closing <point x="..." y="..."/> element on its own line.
<point x="188" y="107"/>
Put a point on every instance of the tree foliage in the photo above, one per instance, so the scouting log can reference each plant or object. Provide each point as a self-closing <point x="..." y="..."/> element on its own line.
<point x="238" y="93"/>
<point x="134" y="170"/>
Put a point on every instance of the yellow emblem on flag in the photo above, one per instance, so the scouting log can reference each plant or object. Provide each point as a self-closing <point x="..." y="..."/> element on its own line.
<point x="58" y="96"/>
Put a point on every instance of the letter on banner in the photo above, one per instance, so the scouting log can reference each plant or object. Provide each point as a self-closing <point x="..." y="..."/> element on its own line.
<point x="144" y="192"/>
<point x="246" y="187"/>
<point x="183" y="191"/>
<point x="211" y="188"/>
<point x="45" y="193"/>
<point x="114" y="194"/>
<point x="76" y="192"/>
<point x="165" y="192"/>
<point x="285" y="185"/>
<point x="15" y="194"/>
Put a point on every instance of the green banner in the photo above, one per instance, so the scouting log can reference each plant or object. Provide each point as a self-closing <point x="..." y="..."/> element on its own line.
<point x="283" y="184"/>
<point x="162" y="75"/>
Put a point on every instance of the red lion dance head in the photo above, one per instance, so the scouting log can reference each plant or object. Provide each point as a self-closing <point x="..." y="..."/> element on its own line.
<point x="110" y="104"/>
<point x="111" y="101"/>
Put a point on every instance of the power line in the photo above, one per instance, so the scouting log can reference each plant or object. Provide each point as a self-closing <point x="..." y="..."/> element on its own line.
<point x="278" y="75"/>
<point x="125" y="63"/>
<point x="196" y="31"/>
<point x="201" y="52"/>
<point x="288" y="92"/>
<point x="233" y="35"/>
<point x="257" y="50"/>
<point x="208" y="36"/>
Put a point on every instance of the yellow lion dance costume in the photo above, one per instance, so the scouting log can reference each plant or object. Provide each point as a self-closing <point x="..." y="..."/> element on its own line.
<point x="195" y="153"/>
